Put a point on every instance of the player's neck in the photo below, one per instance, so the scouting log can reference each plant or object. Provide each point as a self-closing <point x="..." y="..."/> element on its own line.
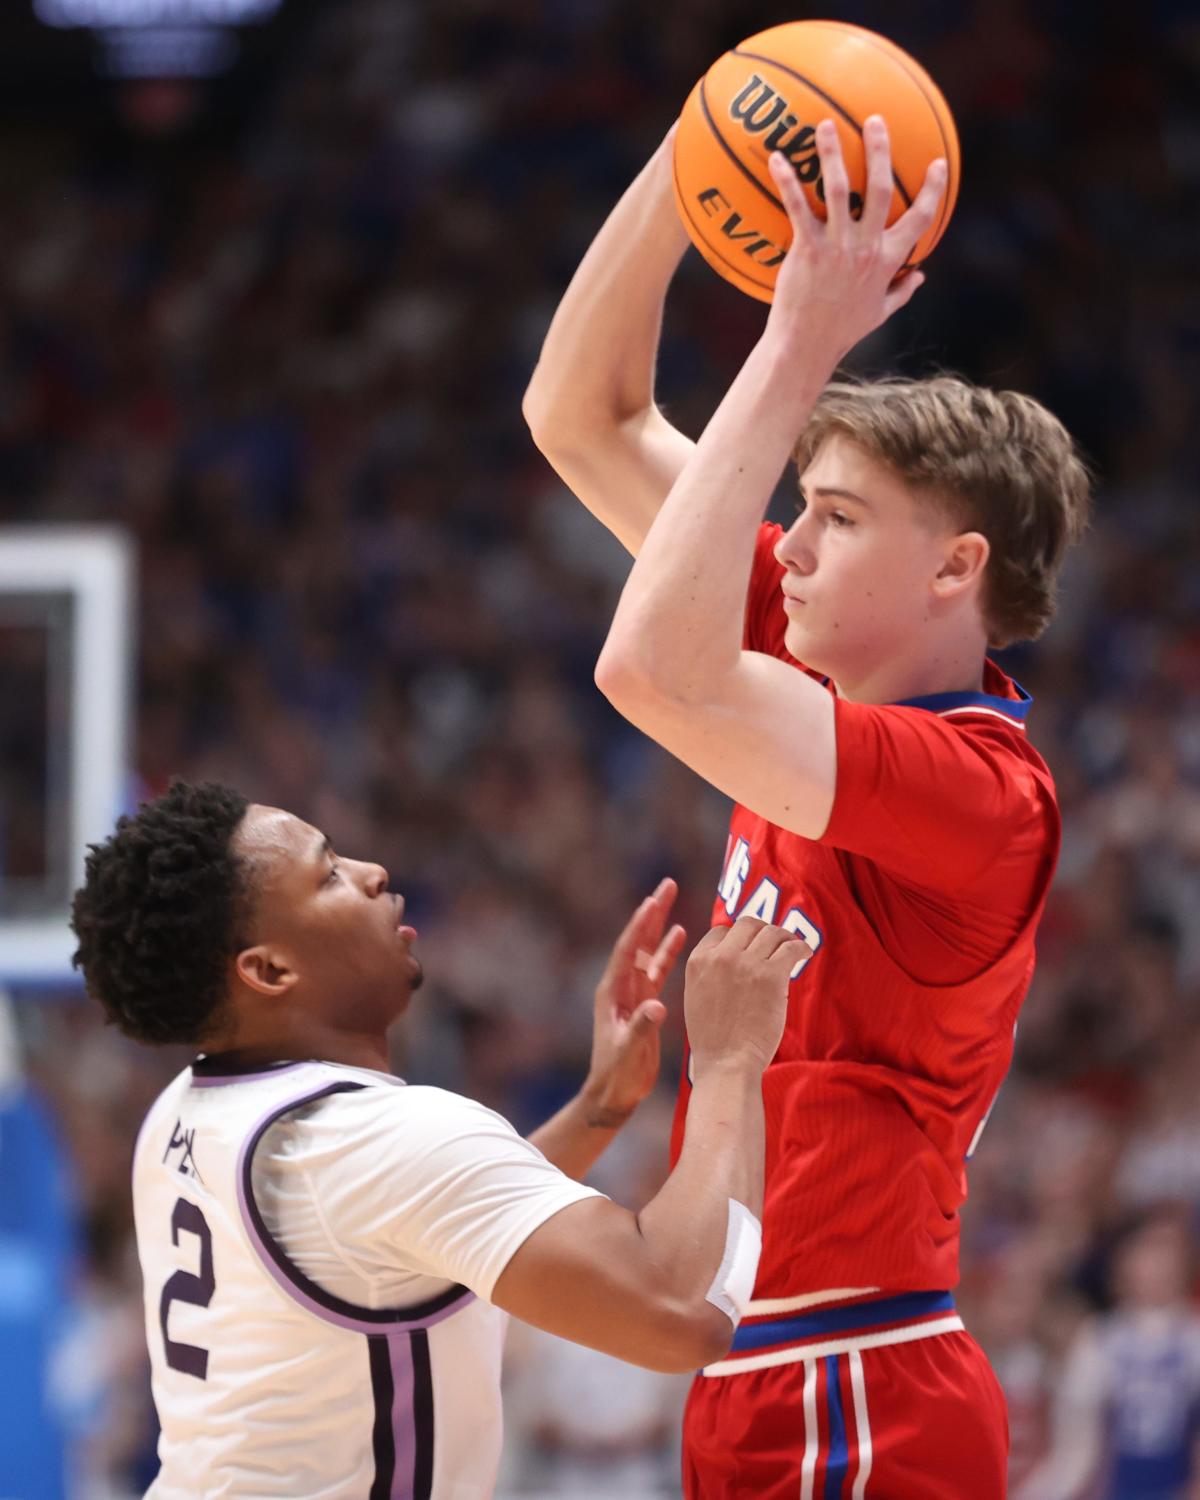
<point x="948" y="666"/>
<point x="355" y="1051"/>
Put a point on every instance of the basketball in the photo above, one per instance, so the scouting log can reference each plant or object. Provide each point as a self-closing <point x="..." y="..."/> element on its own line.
<point x="768" y="94"/>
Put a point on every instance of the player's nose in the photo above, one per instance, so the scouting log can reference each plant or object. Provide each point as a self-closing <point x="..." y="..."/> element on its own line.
<point x="374" y="878"/>
<point x="793" y="551"/>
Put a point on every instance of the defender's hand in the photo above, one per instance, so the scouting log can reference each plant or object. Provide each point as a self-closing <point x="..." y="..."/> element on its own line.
<point x="629" y="1015"/>
<point x="735" y="997"/>
<point x="838" y="281"/>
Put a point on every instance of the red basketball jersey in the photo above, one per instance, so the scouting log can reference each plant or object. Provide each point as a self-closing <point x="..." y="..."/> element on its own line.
<point x="920" y="903"/>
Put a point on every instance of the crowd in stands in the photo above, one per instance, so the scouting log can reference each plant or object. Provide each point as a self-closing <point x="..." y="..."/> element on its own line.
<point x="290" y="360"/>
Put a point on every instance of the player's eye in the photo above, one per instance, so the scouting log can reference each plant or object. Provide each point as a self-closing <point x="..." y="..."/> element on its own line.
<point x="333" y="875"/>
<point x="839" y="518"/>
<point x="801" y="504"/>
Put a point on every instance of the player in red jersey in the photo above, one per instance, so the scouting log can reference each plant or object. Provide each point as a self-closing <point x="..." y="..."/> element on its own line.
<point x="833" y="680"/>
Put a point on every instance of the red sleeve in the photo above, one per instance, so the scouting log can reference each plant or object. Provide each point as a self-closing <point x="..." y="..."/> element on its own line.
<point x="765" y="619"/>
<point x="939" y="803"/>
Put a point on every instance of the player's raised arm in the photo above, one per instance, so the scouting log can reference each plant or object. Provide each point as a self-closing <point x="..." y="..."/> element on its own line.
<point x="665" y="1288"/>
<point x="673" y="663"/>
<point x="590" y="404"/>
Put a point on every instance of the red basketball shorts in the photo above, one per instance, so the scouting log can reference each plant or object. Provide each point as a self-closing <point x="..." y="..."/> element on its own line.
<point x="833" y="1406"/>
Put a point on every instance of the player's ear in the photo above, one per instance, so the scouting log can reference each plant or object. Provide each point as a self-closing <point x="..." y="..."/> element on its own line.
<point x="265" y="970"/>
<point x="963" y="564"/>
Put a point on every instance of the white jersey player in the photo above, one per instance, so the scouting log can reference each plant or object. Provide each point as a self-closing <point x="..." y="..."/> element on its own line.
<point x="328" y="1253"/>
<point x="332" y="1185"/>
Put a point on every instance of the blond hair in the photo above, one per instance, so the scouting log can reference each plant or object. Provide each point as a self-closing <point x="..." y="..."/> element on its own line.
<point x="995" y="462"/>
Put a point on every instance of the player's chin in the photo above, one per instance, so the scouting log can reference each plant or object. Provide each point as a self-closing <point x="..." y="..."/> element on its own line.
<point x="801" y="643"/>
<point x="403" y="985"/>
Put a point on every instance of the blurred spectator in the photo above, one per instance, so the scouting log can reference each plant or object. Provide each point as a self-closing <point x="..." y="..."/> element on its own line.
<point x="1127" y="1410"/>
<point x="590" y="1425"/>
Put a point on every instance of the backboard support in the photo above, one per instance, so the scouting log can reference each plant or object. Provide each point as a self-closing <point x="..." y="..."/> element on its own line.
<point x="66" y="632"/>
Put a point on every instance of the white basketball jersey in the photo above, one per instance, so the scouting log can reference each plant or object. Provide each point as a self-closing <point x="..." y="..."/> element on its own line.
<point x="270" y="1384"/>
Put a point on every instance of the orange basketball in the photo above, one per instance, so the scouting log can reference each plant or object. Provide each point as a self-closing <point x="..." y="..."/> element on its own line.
<point x="768" y="94"/>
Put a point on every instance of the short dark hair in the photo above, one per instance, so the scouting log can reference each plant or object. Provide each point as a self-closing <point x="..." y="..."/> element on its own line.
<point x="163" y="907"/>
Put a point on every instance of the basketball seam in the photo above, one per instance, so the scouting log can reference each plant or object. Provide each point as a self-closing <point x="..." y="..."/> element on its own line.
<point x="732" y="154"/>
<point x="828" y="98"/>
<point x="737" y="270"/>
<point x="897" y="57"/>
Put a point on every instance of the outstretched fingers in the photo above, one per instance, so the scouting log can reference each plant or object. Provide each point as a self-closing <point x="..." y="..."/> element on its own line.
<point x="879" y="191"/>
<point x="834" y="178"/>
<point x="646" y="1020"/>
<point x="805" y="224"/>
<point x="632" y="937"/>
<point x="645" y="926"/>
<point x="659" y="967"/>
<point x="903" y="291"/>
<point x="877" y="148"/>
<point x="918" y="219"/>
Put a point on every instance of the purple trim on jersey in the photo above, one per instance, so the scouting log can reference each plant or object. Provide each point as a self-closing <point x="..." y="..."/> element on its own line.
<point x="402" y="1433"/>
<point x="400" y="1417"/>
<point x="291" y="1278"/>
<point x="216" y="1069"/>
<point x="422" y="1414"/>
<point x="939" y="703"/>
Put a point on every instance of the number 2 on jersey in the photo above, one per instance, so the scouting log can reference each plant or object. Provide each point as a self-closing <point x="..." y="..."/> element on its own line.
<point x="183" y="1286"/>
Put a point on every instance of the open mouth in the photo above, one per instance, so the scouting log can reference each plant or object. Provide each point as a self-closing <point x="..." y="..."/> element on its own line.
<point x="403" y="930"/>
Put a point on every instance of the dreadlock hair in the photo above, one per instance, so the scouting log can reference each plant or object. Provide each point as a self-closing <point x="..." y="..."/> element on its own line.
<point x="162" y="909"/>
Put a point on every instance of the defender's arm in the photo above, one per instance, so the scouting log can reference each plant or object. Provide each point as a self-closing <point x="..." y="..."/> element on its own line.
<point x="664" y="1288"/>
<point x="637" y="1285"/>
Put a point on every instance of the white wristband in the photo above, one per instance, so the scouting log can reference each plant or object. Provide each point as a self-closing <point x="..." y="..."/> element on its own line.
<point x="733" y="1285"/>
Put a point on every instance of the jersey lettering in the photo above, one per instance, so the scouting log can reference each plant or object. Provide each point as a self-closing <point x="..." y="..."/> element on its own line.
<point x="797" y="922"/>
<point x="763" y="902"/>
<point x="184" y="1142"/>
<point x="736" y="870"/>
<point x="183" y="1286"/>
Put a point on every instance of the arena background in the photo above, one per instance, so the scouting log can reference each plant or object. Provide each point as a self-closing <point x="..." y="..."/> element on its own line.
<point x="277" y="323"/>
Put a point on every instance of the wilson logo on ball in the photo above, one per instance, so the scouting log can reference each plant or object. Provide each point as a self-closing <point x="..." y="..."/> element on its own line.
<point x="759" y="108"/>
